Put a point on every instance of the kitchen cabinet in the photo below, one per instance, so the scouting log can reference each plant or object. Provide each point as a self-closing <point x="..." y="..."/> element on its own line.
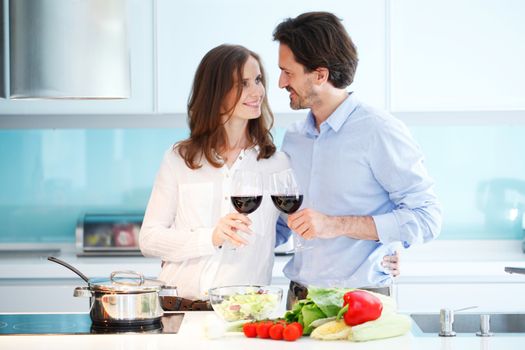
<point x="41" y="295"/>
<point x="140" y="36"/>
<point x="184" y="41"/>
<point x="487" y="297"/>
<point x="455" y="274"/>
<point x="451" y="55"/>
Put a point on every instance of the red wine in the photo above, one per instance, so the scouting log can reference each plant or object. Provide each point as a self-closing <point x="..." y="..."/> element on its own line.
<point x="287" y="203"/>
<point x="246" y="204"/>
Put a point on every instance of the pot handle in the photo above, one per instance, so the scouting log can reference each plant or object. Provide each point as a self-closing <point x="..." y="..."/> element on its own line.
<point x="139" y="276"/>
<point x="82" y="292"/>
<point x="168" y="291"/>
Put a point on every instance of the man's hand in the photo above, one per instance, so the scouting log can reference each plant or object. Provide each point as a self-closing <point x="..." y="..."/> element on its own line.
<point x="227" y="227"/>
<point x="391" y="263"/>
<point x="309" y="224"/>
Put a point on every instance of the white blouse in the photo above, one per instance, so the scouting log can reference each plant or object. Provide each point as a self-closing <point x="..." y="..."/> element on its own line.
<point x="183" y="210"/>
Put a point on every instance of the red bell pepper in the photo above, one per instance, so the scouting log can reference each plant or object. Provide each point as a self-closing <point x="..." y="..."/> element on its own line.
<point x="359" y="307"/>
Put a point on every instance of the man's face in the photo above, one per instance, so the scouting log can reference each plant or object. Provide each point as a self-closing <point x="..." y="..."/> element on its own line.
<point x="294" y="79"/>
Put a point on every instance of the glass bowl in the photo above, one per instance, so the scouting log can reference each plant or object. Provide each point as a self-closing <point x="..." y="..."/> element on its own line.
<point x="235" y="303"/>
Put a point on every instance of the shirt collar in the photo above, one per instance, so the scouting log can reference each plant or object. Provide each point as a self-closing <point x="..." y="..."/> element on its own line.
<point x="336" y="119"/>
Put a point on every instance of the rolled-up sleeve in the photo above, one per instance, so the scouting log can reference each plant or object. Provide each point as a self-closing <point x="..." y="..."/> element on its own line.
<point x="398" y="165"/>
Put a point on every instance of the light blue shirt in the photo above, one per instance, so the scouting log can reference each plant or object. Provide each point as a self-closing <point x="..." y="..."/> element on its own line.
<point x="361" y="162"/>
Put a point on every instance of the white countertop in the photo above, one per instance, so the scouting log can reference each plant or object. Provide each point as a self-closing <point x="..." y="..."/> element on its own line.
<point x="191" y="336"/>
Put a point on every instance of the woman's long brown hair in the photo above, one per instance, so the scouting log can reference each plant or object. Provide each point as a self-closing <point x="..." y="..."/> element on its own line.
<point x="219" y="71"/>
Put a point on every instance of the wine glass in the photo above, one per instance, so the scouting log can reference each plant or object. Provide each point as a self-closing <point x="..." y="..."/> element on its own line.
<point x="246" y="192"/>
<point x="288" y="198"/>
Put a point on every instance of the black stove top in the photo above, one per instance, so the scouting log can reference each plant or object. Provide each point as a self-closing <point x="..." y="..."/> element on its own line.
<point x="71" y="323"/>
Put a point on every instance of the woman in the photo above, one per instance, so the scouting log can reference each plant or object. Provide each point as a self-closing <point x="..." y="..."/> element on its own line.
<point x="189" y="217"/>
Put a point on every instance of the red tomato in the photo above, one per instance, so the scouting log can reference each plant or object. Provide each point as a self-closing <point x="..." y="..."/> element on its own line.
<point x="292" y="332"/>
<point x="299" y="326"/>
<point x="250" y="329"/>
<point x="263" y="329"/>
<point x="276" y="331"/>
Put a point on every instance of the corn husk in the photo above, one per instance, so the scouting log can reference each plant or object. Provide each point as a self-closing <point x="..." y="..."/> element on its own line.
<point x="386" y="326"/>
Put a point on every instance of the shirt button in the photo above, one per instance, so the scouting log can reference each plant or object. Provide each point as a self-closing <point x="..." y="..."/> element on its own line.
<point x="227" y="175"/>
<point x="226" y="198"/>
<point x="240" y="157"/>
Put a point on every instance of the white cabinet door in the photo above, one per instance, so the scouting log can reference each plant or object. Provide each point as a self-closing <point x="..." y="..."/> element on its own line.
<point x="140" y="36"/>
<point x="187" y="29"/>
<point x="488" y="297"/>
<point x="457" y="55"/>
<point x="41" y="295"/>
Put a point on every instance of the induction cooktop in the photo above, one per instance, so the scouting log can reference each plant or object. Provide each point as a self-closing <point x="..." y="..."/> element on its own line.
<point x="80" y="323"/>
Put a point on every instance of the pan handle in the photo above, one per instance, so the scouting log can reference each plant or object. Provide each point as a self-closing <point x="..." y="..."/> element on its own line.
<point x="82" y="292"/>
<point x="168" y="291"/>
<point x="63" y="263"/>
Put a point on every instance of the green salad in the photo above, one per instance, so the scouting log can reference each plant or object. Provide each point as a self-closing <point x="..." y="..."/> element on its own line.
<point x="252" y="306"/>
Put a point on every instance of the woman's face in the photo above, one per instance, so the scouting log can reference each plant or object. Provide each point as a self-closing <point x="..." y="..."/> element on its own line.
<point x="249" y="105"/>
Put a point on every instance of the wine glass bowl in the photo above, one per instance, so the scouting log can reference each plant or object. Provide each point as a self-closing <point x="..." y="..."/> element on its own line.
<point x="246" y="196"/>
<point x="246" y="204"/>
<point x="246" y="193"/>
<point x="285" y="192"/>
<point x="287" y="203"/>
<point x="287" y="197"/>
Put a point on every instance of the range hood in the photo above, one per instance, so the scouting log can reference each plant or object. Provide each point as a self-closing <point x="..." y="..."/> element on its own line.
<point x="68" y="49"/>
<point x="2" y="52"/>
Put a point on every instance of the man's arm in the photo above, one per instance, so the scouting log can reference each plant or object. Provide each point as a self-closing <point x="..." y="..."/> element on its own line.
<point x="310" y="224"/>
<point x="282" y="232"/>
<point x="396" y="163"/>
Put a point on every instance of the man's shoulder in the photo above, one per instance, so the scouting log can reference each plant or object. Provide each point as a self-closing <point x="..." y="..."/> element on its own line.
<point x="297" y="126"/>
<point x="374" y="116"/>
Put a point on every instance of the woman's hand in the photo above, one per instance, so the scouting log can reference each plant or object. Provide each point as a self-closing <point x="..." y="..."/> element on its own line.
<point x="227" y="227"/>
<point x="391" y="263"/>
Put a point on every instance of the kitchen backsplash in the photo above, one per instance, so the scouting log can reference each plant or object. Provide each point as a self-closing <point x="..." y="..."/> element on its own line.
<point x="49" y="177"/>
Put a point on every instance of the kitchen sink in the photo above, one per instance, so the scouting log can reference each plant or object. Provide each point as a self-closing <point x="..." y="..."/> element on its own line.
<point x="470" y="323"/>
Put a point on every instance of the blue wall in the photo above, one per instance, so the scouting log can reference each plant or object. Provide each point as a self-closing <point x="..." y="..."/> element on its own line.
<point x="49" y="177"/>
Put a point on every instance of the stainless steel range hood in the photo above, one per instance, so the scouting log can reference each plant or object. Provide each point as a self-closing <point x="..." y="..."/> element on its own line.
<point x="2" y="52"/>
<point x="69" y="49"/>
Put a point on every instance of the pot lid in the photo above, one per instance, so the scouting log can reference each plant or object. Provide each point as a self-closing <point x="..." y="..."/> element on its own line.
<point x="125" y="282"/>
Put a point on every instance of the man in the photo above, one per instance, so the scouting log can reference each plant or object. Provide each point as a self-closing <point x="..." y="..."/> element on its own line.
<point x="365" y="186"/>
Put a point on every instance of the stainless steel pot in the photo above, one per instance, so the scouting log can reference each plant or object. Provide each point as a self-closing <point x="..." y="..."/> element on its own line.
<point x="125" y="298"/>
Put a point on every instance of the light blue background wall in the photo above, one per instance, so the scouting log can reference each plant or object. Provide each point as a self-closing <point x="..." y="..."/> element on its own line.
<point x="49" y="177"/>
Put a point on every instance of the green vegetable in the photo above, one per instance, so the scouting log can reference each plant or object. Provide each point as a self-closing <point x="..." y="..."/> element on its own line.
<point x="324" y="303"/>
<point x="329" y="300"/>
<point x="321" y="321"/>
<point x="311" y="312"/>
<point x="386" y="326"/>
<point x="305" y="312"/>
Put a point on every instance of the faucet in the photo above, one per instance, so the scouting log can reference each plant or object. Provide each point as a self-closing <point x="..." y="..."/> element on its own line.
<point x="446" y="318"/>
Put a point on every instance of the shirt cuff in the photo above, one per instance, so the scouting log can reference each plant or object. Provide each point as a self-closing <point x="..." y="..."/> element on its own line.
<point x="387" y="228"/>
<point x="205" y="245"/>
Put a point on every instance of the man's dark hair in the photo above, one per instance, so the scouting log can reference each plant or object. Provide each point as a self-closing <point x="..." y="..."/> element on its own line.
<point x="319" y="39"/>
